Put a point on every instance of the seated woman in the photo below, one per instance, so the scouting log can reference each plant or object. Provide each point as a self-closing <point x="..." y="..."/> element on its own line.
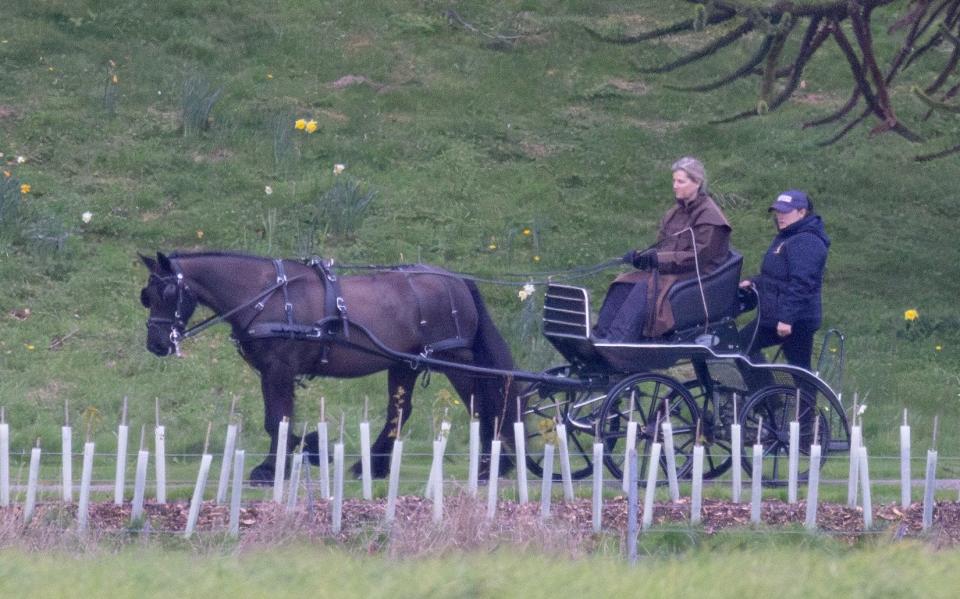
<point x="694" y="237"/>
<point x="789" y="283"/>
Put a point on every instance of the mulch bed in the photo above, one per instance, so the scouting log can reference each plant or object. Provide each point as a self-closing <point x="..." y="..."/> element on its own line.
<point x="465" y="524"/>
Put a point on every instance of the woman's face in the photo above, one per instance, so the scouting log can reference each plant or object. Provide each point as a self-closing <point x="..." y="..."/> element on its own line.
<point x="684" y="187"/>
<point x="785" y="219"/>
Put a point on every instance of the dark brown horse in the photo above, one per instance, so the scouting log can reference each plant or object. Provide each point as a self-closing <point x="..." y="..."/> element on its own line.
<point x="291" y="319"/>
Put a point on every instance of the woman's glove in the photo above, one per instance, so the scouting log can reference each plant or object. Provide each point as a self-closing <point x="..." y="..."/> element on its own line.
<point x="646" y="260"/>
<point x="641" y="259"/>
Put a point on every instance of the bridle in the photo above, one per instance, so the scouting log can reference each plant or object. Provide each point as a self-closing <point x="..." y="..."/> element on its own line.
<point x="177" y="324"/>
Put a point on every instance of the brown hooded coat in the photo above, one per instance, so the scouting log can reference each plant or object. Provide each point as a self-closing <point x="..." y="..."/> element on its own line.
<point x="676" y="259"/>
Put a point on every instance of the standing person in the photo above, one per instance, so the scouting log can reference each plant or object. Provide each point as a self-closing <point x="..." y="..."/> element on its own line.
<point x="789" y="282"/>
<point x="694" y="237"/>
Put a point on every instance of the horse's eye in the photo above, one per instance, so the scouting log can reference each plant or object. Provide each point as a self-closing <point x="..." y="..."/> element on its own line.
<point x="144" y="298"/>
<point x="169" y="292"/>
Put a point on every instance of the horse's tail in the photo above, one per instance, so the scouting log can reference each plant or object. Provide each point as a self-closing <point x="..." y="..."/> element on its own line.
<point x="491" y="349"/>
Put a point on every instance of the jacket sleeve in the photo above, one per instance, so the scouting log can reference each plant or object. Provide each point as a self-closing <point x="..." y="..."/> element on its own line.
<point x="712" y="246"/>
<point x="806" y="258"/>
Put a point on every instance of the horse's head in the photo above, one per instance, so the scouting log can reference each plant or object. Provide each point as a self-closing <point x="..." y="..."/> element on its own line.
<point x="171" y="304"/>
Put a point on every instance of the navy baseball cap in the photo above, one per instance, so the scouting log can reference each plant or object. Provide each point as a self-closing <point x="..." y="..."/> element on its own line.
<point x="792" y="199"/>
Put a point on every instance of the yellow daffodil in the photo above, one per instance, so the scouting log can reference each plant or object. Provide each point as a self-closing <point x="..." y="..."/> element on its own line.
<point x="492" y="247"/>
<point x="311" y="126"/>
<point x="526" y="291"/>
<point x="300" y="124"/>
<point x="6" y="174"/>
<point x="199" y="233"/>
<point x="527" y="232"/>
<point x="115" y="80"/>
<point x="536" y="258"/>
<point x="911" y="315"/>
<point x="29" y="346"/>
<point x="269" y="75"/>
<point x="25" y="188"/>
<point x="938" y="348"/>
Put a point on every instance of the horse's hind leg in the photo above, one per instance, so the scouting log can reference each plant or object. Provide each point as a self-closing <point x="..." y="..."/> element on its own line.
<point x="278" y="393"/>
<point x="491" y="413"/>
<point x="400" y="381"/>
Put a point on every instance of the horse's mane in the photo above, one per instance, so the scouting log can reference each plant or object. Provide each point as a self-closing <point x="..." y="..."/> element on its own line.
<point x="215" y="254"/>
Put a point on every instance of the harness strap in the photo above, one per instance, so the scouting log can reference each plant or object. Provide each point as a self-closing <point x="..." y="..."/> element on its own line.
<point x="333" y="303"/>
<point x="282" y="281"/>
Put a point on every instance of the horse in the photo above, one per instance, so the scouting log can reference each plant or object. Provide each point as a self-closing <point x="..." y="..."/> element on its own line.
<point x="292" y="319"/>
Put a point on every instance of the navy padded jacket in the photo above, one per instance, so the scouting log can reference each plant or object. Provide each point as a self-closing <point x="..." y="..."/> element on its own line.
<point x="791" y="276"/>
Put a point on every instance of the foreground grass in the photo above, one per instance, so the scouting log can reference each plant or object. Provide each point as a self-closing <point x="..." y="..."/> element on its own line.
<point x="755" y="571"/>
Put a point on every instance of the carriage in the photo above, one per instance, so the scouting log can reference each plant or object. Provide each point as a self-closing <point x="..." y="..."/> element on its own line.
<point x="696" y="377"/>
<point x="290" y="319"/>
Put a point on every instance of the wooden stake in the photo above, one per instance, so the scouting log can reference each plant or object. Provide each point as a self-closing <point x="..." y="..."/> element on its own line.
<point x="66" y="412"/>
<point x="936" y="426"/>
<point x="143" y="431"/>
<point x="123" y="414"/>
<point x="206" y="442"/>
<point x="303" y="438"/>
<point x="323" y="409"/>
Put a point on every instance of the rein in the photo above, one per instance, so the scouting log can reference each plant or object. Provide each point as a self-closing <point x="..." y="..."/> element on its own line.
<point x="571" y="274"/>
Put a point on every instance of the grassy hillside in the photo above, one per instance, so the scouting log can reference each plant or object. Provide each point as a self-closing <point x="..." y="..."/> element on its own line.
<point x="467" y="137"/>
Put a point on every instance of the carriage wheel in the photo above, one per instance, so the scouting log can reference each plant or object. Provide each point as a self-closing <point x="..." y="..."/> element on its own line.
<point x="777" y="405"/>
<point x="643" y="397"/>
<point x="715" y="430"/>
<point x="544" y="407"/>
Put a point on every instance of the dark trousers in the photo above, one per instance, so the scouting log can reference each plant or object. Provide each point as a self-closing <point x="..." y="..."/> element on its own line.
<point x="797" y="346"/>
<point x="623" y="313"/>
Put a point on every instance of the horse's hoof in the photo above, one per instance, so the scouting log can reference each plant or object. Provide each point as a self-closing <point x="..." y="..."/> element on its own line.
<point x="262" y="476"/>
<point x="357" y="471"/>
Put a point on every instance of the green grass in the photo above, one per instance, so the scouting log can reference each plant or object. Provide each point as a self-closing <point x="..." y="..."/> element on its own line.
<point x="746" y="567"/>
<point x="464" y="144"/>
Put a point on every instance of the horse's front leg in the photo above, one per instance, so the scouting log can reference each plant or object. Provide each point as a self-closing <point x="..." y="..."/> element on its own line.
<point x="278" y="396"/>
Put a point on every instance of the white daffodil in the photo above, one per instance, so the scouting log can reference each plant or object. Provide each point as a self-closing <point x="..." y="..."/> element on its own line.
<point x="862" y="409"/>
<point x="21" y="159"/>
<point x="86" y="216"/>
<point x="338" y="168"/>
<point x="268" y="190"/>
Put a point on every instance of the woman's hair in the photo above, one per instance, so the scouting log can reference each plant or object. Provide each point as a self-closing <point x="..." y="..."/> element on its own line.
<point x="694" y="168"/>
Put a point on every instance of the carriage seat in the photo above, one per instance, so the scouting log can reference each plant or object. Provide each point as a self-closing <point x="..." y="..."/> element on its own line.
<point x="719" y="287"/>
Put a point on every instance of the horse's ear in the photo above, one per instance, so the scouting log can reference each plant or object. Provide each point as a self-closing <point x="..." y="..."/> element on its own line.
<point x="164" y="262"/>
<point x="150" y="263"/>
